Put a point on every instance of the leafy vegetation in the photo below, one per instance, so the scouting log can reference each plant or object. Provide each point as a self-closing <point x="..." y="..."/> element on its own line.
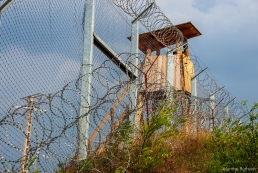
<point x="235" y="144"/>
<point x="161" y="146"/>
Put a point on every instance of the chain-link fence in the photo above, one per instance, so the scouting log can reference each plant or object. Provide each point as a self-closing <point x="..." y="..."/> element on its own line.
<point x="41" y="51"/>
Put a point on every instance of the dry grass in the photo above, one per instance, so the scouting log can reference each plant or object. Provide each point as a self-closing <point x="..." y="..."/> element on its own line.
<point x="189" y="154"/>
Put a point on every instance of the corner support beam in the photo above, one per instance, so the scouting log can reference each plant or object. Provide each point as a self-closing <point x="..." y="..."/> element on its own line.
<point x="98" y="42"/>
<point x="84" y="121"/>
<point x="134" y="59"/>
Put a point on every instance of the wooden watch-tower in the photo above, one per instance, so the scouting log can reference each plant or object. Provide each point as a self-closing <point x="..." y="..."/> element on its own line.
<point x="158" y="69"/>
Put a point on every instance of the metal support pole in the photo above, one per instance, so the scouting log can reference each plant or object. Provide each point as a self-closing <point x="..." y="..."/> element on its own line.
<point x="212" y="119"/>
<point x="194" y="82"/>
<point x="212" y="101"/>
<point x="134" y="60"/>
<point x="134" y="52"/>
<point x="170" y="66"/>
<point x="226" y="113"/>
<point x="194" y="87"/>
<point x="170" y="74"/>
<point x="212" y="97"/>
<point x="84" y="122"/>
<point x="212" y="104"/>
<point x="26" y="144"/>
<point x="194" y="94"/>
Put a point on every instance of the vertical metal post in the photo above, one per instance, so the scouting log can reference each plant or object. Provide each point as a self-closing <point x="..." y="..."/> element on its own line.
<point x="134" y="52"/>
<point x="194" y="83"/>
<point x="226" y="108"/>
<point x="212" y="119"/>
<point x="194" y="94"/>
<point x="212" y="105"/>
<point x="226" y="115"/>
<point x="226" y="111"/>
<point x="170" y="74"/>
<point x="26" y="145"/>
<point x="84" y="121"/>
<point x="194" y="87"/>
<point x="170" y="67"/>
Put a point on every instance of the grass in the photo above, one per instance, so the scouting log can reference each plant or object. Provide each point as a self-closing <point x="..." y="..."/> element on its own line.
<point x="161" y="146"/>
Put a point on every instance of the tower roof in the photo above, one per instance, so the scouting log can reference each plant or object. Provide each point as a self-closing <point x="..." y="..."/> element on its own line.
<point x="148" y="41"/>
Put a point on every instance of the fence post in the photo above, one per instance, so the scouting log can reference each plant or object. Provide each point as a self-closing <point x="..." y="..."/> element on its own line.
<point x="170" y="67"/>
<point x="26" y="145"/>
<point x="212" y="105"/>
<point x="194" y="83"/>
<point x="134" y="60"/>
<point x="194" y="87"/>
<point x="84" y="122"/>
<point x="194" y="94"/>
<point x="226" y="108"/>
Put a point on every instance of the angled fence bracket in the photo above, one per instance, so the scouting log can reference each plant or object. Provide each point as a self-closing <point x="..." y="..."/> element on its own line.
<point x="5" y="5"/>
<point x="194" y="83"/>
<point x="226" y="107"/>
<point x="98" y="42"/>
<point x="142" y="13"/>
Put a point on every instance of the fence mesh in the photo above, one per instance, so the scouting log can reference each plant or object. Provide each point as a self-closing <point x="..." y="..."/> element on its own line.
<point x="41" y="50"/>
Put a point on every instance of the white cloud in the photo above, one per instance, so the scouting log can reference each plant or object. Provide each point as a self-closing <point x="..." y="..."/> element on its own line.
<point x="24" y="74"/>
<point x="228" y="45"/>
<point x="239" y="17"/>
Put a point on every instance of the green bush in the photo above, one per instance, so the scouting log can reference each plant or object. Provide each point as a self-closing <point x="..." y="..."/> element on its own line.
<point x="159" y="146"/>
<point x="235" y="147"/>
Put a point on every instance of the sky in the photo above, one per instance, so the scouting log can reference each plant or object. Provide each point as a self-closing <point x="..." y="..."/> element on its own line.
<point x="229" y="42"/>
<point x="228" y="45"/>
<point x="44" y="35"/>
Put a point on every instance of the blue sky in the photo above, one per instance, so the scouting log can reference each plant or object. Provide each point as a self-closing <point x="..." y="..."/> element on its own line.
<point x="228" y="46"/>
<point x="41" y="43"/>
<point x="229" y="42"/>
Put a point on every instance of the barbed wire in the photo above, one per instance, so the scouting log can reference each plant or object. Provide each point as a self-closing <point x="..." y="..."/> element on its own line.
<point x="153" y="24"/>
<point x="55" y="128"/>
<point x="154" y="20"/>
<point x="31" y="63"/>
